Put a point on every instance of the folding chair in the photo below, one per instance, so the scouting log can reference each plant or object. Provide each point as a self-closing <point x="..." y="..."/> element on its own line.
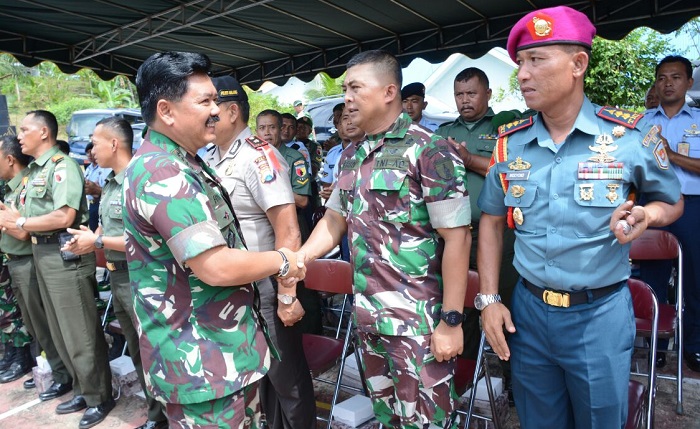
<point x="323" y="353"/>
<point x="646" y="315"/>
<point x="655" y="244"/>
<point x="469" y="372"/>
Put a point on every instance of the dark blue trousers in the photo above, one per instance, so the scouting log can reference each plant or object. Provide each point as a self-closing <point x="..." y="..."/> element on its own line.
<point x="571" y="366"/>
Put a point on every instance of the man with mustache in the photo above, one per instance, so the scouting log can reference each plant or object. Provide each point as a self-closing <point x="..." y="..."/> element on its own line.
<point x="203" y="346"/>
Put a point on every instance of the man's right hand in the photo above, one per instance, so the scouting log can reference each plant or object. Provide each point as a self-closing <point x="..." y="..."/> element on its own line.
<point x="493" y="318"/>
<point x="297" y="269"/>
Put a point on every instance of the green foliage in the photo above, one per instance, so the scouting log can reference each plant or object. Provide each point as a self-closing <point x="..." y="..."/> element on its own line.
<point x="65" y="108"/>
<point x="326" y="86"/>
<point x="259" y="102"/>
<point x="620" y="73"/>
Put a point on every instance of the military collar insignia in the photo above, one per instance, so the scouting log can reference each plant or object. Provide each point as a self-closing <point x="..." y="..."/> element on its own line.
<point x="604" y="145"/>
<point x="514" y="126"/>
<point x="623" y="117"/>
<point x="519" y="164"/>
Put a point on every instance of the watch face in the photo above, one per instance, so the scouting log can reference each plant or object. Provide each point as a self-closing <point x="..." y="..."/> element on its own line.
<point x="478" y="303"/>
<point x="452" y="317"/>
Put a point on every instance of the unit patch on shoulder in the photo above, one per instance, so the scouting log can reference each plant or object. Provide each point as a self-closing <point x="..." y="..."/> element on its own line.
<point x="514" y="126"/>
<point x="652" y="137"/>
<point x="661" y="156"/>
<point x="619" y="116"/>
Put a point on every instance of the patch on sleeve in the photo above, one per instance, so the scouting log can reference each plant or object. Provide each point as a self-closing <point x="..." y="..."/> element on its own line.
<point x="619" y="116"/>
<point x="59" y="175"/>
<point x="300" y="171"/>
<point x="661" y="156"/>
<point x="514" y="126"/>
<point x="264" y="171"/>
<point x="652" y="137"/>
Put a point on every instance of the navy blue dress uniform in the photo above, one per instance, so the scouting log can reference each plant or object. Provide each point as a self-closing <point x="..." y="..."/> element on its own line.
<point x="560" y="198"/>
<point x="682" y="132"/>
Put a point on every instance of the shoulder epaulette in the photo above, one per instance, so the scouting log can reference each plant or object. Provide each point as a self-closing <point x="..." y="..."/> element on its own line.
<point x="256" y="142"/>
<point x="57" y="158"/>
<point x="514" y="126"/>
<point x="623" y="117"/>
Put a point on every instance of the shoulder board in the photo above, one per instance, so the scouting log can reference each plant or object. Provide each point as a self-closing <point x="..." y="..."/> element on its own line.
<point x="256" y="142"/>
<point x="57" y="158"/>
<point x="623" y="117"/>
<point x="514" y="126"/>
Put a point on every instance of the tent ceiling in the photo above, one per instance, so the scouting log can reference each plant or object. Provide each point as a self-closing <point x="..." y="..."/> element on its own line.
<point x="259" y="40"/>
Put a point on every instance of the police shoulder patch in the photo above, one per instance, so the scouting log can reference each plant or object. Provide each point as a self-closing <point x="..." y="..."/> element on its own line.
<point x="256" y="142"/>
<point x="514" y="126"/>
<point x="619" y="116"/>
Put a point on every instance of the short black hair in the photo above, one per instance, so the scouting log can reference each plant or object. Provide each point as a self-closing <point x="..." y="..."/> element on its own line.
<point x="382" y="60"/>
<point x="289" y="116"/>
<point x="270" y="112"/>
<point x="165" y="76"/>
<point x="338" y="107"/>
<point x="245" y="109"/>
<point x="471" y="72"/>
<point x="11" y="146"/>
<point x="48" y="119"/>
<point x="63" y="146"/>
<point x="121" y="128"/>
<point x="676" y="59"/>
<point x="89" y="146"/>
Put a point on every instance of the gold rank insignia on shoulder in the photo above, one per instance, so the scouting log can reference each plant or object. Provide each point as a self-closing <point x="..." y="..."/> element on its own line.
<point x="518" y="216"/>
<point x="604" y="145"/>
<point x="517" y="191"/>
<point x="622" y="117"/>
<point x="519" y="164"/>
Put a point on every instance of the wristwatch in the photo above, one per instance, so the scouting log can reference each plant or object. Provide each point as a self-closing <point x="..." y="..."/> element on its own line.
<point x="284" y="268"/>
<point x="452" y="318"/>
<point x="20" y="222"/>
<point x="286" y="299"/>
<point x="482" y="301"/>
<point x="98" y="242"/>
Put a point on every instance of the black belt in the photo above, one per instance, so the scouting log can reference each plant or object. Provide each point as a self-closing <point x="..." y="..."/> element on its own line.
<point x="688" y="197"/>
<point x="567" y="299"/>
<point x="10" y="256"/>
<point x="117" y="265"/>
<point x="46" y="239"/>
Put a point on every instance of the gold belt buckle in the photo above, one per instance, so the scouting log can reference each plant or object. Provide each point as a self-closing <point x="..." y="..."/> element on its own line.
<point x="111" y="266"/>
<point x="556" y="299"/>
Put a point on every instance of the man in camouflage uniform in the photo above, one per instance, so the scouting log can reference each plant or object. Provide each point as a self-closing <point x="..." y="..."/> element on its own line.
<point x="55" y="200"/>
<point x="402" y="197"/>
<point x="255" y="175"/>
<point x="202" y="346"/>
<point x="20" y="262"/>
<point x="269" y="124"/>
<point x="111" y="150"/>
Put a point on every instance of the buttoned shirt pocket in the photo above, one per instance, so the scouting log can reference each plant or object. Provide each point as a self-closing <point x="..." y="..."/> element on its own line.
<point x="522" y="194"/>
<point x="115" y="210"/>
<point x="37" y="192"/>
<point x="390" y="198"/>
<point x="596" y="200"/>
<point x="485" y="147"/>
<point x="346" y="184"/>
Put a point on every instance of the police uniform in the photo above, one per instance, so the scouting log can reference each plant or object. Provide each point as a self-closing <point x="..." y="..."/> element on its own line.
<point x="202" y="347"/>
<point x="394" y="190"/>
<point x="326" y="173"/>
<point x="20" y="263"/>
<point x="255" y="175"/>
<point x="683" y="134"/>
<point x="112" y="222"/>
<point x="572" y="363"/>
<point x="480" y="138"/>
<point x="67" y="287"/>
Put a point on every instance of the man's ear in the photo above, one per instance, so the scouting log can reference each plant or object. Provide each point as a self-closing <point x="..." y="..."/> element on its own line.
<point x="164" y="111"/>
<point x="391" y="91"/>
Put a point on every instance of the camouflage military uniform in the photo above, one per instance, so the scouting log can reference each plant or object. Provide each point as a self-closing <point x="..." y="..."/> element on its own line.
<point x="255" y="186"/>
<point x="112" y="222"/>
<point x="199" y="344"/>
<point x="67" y="287"/>
<point x="20" y="264"/>
<point x="480" y="138"/>
<point x="394" y="190"/>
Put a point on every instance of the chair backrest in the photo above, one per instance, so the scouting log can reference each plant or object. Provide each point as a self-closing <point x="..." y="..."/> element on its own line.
<point x="642" y="300"/>
<point x="654" y="244"/>
<point x="329" y="275"/>
<point x="472" y="289"/>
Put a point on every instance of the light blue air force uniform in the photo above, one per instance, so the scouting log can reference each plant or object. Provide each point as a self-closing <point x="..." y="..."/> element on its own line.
<point x="573" y="363"/>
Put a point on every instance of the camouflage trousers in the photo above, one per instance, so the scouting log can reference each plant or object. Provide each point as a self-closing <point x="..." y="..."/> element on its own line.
<point x="408" y="387"/>
<point x="13" y="329"/>
<point x="240" y="410"/>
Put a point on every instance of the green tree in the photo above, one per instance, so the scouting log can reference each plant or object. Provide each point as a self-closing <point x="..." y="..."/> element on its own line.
<point x="620" y="72"/>
<point x="326" y="86"/>
<point x="259" y="102"/>
<point x="14" y="72"/>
